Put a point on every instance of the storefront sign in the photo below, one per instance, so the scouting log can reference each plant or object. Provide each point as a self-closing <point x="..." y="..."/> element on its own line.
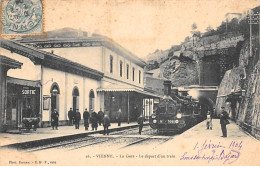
<point x="27" y="91"/>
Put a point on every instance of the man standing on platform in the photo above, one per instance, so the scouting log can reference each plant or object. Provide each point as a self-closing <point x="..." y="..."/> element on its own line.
<point x="224" y="121"/>
<point x="54" y="119"/>
<point x="100" y="116"/>
<point x="70" y="115"/>
<point x="86" y="118"/>
<point x="77" y="119"/>
<point x="106" y="123"/>
<point x="140" y="121"/>
<point x="118" y="117"/>
<point x="94" y="120"/>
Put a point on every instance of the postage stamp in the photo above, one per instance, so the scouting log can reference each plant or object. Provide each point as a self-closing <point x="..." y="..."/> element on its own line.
<point x="21" y="17"/>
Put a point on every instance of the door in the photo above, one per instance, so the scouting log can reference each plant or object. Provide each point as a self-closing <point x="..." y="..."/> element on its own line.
<point x="75" y="101"/>
<point x="26" y="107"/>
<point x="12" y="111"/>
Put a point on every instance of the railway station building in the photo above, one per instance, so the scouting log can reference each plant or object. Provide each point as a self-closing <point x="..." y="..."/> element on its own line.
<point x="59" y="72"/>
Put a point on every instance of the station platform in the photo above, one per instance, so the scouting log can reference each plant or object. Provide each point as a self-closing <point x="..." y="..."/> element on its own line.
<point x="47" y="134"/>
<point x="198" y="145"/>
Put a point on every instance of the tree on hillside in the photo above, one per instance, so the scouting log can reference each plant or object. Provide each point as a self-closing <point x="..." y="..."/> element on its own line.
<point x="194" y="32"/>
<point x="187" y="39"/>
<point x="194" y="26"/>
<point x="209" y="29"/>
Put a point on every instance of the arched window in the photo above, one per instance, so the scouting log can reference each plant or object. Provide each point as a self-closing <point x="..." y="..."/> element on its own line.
<point x="127" y="71"/>
<point x="139" y="77"/>
<point x="111" y="64"/>
<point x="121" y="68"/>
<point x="75" y="100"/>
<point x="91" y="99"/>
<point x="133" y="74"/>
<point x="55" y="92"/>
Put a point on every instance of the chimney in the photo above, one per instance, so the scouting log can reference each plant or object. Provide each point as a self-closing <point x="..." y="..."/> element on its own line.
<point x="175" y="91"/>
<point x="167" y="87"/>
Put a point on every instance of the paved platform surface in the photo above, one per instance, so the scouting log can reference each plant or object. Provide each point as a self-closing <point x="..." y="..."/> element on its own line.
<point x="199" y="146"/>
<point x="46" y="133"/>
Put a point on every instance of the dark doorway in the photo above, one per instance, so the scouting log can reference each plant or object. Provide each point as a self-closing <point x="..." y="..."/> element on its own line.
<point x="55" y="92"/>
<point x="91" y="100"/>
<point x="75" y="95"/>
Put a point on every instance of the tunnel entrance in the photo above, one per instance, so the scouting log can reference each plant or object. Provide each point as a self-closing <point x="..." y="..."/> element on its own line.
<point x="206" y="105"/>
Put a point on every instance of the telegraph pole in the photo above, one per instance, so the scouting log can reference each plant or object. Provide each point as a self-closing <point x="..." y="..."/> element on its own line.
<point x="253" y="18"/>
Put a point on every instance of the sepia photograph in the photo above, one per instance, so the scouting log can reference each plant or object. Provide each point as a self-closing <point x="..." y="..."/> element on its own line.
<point x="129" y="83"/>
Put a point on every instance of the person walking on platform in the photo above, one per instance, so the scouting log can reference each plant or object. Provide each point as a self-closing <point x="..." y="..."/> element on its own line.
<point x="94" y="120"/>
<point x="224" y="121"/>
<point x="77" y="119"/>
<point x="54" y="119"/>
<point x="106" y="124"/>
<point x="209" y="120"/>
<point x="213" y="113"/>
<point x="86" y="118"/>
<point x="100" y="116"/>
<point x="118" y="117"/>
<point x="140" y="121"/>
<point x="71" y="115"/>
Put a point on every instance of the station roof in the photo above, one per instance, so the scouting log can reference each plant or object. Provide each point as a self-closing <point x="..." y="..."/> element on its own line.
<point x="68" y="35"/>
<point x="9" y="63"/>
<point x="49" y="59"/>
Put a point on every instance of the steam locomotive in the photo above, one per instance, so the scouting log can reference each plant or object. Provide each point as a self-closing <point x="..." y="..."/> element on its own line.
<point x="175" y="113"/>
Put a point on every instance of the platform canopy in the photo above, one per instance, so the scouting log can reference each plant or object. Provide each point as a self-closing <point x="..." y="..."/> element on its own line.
<point x="127" y="88"/>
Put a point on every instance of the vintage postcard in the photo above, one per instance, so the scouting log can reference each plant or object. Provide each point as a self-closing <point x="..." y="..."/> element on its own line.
<point x="129" y="83"/>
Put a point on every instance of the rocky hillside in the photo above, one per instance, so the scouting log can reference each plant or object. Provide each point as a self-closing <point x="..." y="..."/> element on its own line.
<point x="157" y="55"/>
<point x="245" y="108"/>
<point x="180" y="63"/>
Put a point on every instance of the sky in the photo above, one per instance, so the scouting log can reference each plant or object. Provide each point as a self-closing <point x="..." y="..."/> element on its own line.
<point x="141" y="26"/>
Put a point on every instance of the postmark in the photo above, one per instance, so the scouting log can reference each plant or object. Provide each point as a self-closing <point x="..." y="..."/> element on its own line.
<point x="21" y="17"/>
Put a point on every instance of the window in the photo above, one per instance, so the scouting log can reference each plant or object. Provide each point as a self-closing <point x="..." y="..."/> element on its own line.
<point x="133" y="74"/>
<point x="111" y="64"/>
<point x="91" y="100"/>
<point x="139" y="76"/>
<point x="127" y="71"/>
<point x="121" y="68"/>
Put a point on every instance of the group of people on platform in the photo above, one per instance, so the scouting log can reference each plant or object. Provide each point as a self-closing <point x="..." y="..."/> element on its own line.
<point x="223" y="120"/>
<point x="96" y="119"/>
<point x="88" y="117"/>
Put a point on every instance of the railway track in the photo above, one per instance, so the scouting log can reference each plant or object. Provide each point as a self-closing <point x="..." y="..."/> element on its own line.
<point x="76" y="141"/>
<point x="129" y="137"/>
<point x="136" y="142"/>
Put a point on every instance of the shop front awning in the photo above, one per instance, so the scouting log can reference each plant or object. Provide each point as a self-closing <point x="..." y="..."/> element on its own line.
<point x="23" y="82"/>
<point x="121" y="88"/>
